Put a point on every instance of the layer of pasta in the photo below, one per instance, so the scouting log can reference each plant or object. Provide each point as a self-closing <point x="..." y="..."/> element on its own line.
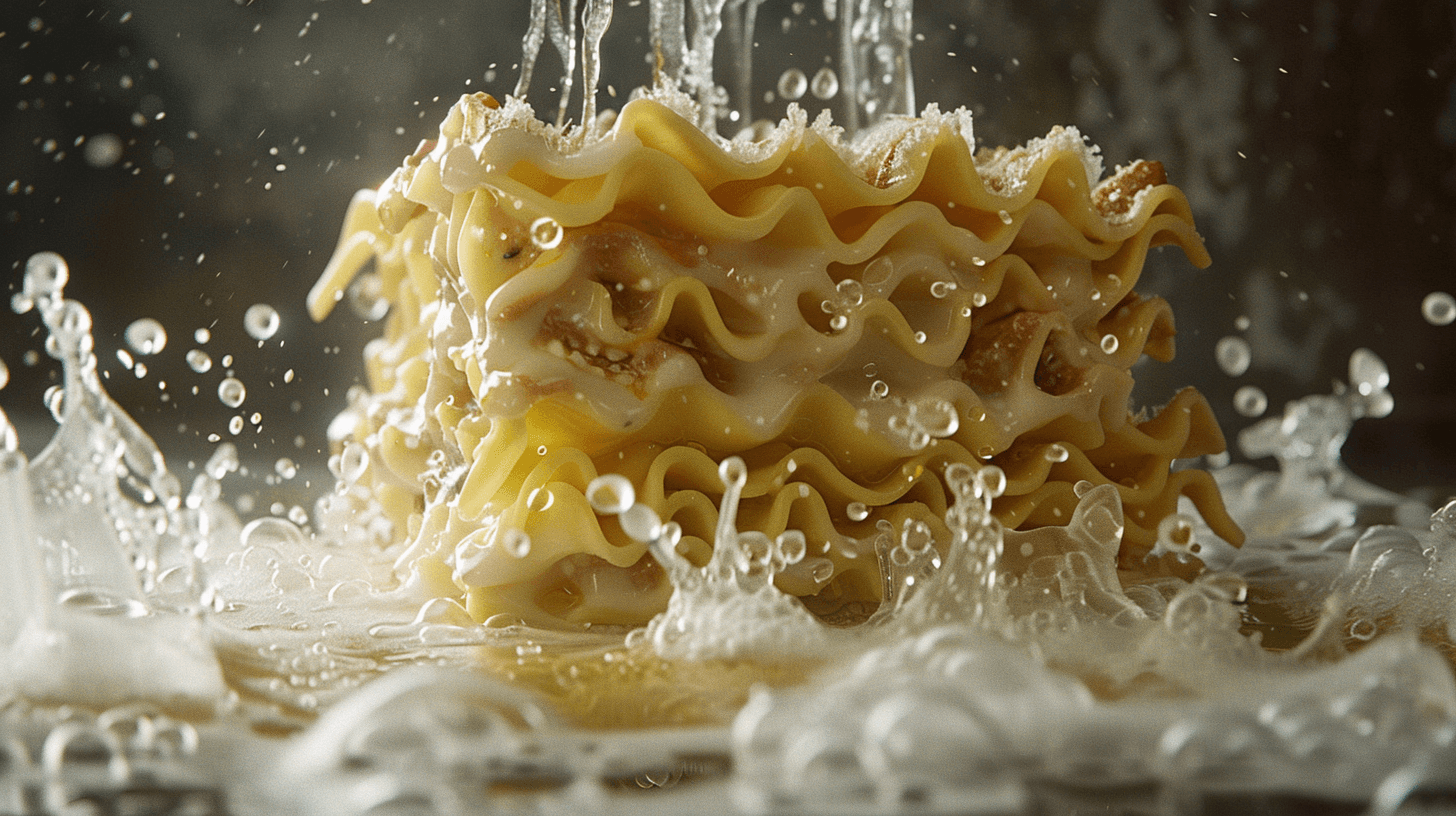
<point x="849" y="319"/>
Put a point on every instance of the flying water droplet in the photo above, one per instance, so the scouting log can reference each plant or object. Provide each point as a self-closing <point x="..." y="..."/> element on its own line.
<point x="146" y="336"/>
<point x="825" y="83"/>
<point x="232" y="392"/>
<point x="46" y="274"/>
<point x="285" y="468"/>
<point x="198" y="361"/>
<point x="1368" y="373"/>
<point x="353" y="461"/>
<point x="793" y="84"/>
<point x="261" y="321"/>
<point x="1233" y="355"/>
<point x="366" y="296"/>
<point x="1250" y="401"/>
<point x="1439" y="309"/>
<point x="235" y="425"/>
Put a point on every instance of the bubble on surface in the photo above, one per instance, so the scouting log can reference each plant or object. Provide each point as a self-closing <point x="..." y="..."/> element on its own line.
<point x="546" y="233"/>
<point x="1439" y="308"/>
<point x="1251" y="401"/>
<point x="261" y="321"/>
<point x="1109" y="344"/>
<point x="1233" y="355"/>
<point x="793" y="84"/>
<point x="146" y="336"/>
<point x="231" y="392"/>
<point x="857" y="511"/>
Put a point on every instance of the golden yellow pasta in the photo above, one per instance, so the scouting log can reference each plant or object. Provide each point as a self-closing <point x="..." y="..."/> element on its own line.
<point x="847" y="319"/>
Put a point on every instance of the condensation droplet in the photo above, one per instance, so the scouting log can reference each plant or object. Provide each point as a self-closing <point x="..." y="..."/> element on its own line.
<point x="793" y="84"/>
<point x="825" y="83"/>
<point x="146" y="336"/>
<point x="1439" y="309"/>
<point x="1250" y="401"/>
<point x="198" y="361"/>
<point x="1109" y="344"/>
<point x="546" y="233"/>
<point x="261" y="321"/>
<point x="232" y="392"/>
<point x="1233" y="355"/>
<point x="1057" y="452"/>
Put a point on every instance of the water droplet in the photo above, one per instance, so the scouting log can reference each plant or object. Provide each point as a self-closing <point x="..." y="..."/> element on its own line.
<point x="232" y="392"/>
<point x="979" y="299"/>
<point x="851" y="293"/>
<point x="1233" y="355"/>
<point x="223" y="461"/>
<point x="793" y="84"/>
<point x="641" y="523"/>
<point x="857" y="511"/>
<point x="4" y="374"/>
<point x="940" y="289"/>
<point x="102" y="150"/>
<point x="46" y="274"/>
<point x="838" y="323"/>
<point x="1175" y="533"/>
<point x="1363" y="629"/>
<point x="540" y="499"/>
<point x="1368" y="373"/>
<point x="198" y="361"/>
<point x="920" y="338"/>
<point x="546" y="233"/>
<point x="821" y="570"/>
<point x="285" y="467"/>
<point x="610" y="494"/>
<point x="1439" y="309"/>
<point x="261" y="321"/>
<point x="366" y="296"/>
<point x="1109" y="344"/>
<point x="1005" y="217"/>
<point x="146" y="336"/>
<point x="202" y="336"/>
<point x="517" y="543"/>
<point x="55" y="398"/>
<point x="825" y="83"/>
<point x="879" y="389"/>
<point x="353" y="461"/>
<point x="1250" y="401"/>
<point x="1057" y="452"/>
<point x="235" y="425"/>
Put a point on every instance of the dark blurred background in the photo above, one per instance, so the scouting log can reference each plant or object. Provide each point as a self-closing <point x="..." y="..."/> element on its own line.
<point x="191" y="158"/>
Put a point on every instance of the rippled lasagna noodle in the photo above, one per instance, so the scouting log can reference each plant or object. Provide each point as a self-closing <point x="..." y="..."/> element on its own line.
<point x="652" y="300"/>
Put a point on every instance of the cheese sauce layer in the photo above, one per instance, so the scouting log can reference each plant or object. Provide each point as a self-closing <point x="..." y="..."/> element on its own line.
<point x="847" y="318"/>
